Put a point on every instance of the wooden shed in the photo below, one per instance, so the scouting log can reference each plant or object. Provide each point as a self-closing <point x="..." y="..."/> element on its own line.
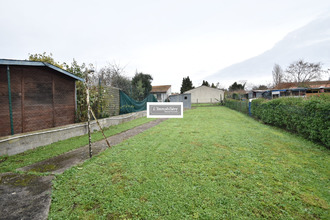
<point x="35" y="95"/>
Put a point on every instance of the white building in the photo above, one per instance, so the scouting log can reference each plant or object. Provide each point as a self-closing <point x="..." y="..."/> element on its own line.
<point x="205" y="94"/>
<point x="161" y="92"/>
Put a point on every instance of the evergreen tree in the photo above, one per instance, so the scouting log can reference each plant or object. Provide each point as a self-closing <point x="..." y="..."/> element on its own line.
<point x="236" y="87"/>
<point x="141" y="85"/>
<point x="186" y="85"/>
<point x="205" y="83"/>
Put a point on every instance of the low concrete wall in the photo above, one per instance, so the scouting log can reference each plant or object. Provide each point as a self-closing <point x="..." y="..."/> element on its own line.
<point x="15" y="144"/>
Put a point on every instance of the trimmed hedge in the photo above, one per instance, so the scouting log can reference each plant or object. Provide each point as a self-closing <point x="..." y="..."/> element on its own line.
<point x="308" y="117"/>
<point x="241" y="106"/>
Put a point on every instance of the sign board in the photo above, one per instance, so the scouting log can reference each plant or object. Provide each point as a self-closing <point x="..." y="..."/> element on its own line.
<point x="164" y="110"/>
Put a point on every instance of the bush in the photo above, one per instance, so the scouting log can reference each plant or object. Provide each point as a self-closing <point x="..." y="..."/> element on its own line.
<point x="241" y="106"/>
<point x="308" y="117"/>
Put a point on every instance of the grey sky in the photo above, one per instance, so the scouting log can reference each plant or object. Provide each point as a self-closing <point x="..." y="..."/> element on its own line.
<point x="169" y="39"/>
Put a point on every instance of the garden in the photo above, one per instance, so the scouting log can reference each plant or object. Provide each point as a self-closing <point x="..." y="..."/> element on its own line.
<point x="214" y="163"/>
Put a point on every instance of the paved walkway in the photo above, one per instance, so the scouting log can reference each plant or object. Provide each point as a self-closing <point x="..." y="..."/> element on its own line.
<point x="25" y="196"/>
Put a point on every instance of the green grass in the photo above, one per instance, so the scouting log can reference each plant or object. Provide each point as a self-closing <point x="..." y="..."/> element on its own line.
<point x="214" y="163"/>
<point x="11" y="163"/>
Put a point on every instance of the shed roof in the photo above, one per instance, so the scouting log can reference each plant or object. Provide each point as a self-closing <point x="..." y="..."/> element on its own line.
<point x="37" y="63"/>
<point x="163" y="88"/>
<point x="199" y="87"/>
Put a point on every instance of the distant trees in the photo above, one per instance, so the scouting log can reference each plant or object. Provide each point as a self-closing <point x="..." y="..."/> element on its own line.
<point x="236" y="87"/>
<point x="114" y="75"/>
<point x="205" y="83"/>
<point x="260" y="87"/>
<point x="186" y="85"/>
<point x="298" y="72"/>
<point x="301" y="72"/>
<point x="141" y="85"/>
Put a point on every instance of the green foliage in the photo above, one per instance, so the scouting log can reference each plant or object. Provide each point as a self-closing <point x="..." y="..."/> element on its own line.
<point x="212" y="164"/>
<point x="307" y="117"/>
<point x="186" y="85"/>
<point x="236" y="87"/>
<point x="141" y="86"/>
<point x="241" y="106"/>
<point x="206" y="83"/>
<point x="45" y="58"/>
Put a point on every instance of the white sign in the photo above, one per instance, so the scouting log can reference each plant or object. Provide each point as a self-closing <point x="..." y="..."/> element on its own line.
<point x="164" y="109"/>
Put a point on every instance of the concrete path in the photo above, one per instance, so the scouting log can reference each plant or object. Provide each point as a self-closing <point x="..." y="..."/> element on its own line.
<point x="24" y="196"/>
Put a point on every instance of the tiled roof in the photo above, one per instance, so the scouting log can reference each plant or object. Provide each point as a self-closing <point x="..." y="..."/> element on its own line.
<point x="156" y="89"/>
<point x="313" y="84"/>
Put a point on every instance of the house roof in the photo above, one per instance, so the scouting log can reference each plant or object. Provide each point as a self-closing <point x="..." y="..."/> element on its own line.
<point x="189" y="91"/>
<point x="37" y="63"/>
<point x="161" y="89"/>
<point x="312" y="85"/>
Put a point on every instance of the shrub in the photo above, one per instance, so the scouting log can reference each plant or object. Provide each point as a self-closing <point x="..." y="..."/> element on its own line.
<point x="241" y="106"/>
<point x="308" y="117"/>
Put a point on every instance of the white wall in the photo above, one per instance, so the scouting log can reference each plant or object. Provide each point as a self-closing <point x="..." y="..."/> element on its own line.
<point x="205" y="94"/>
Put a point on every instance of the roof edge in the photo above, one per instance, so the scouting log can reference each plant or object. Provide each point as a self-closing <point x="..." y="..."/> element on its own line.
<point x="38" y="63"/>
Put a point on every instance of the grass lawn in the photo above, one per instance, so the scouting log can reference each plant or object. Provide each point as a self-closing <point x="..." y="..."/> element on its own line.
<point x="214" y="163"/>
<point x="11" y="163"/>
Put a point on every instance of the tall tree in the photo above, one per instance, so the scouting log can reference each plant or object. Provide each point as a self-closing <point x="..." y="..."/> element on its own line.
<point x="278" y="76"/>
<point x="301" y="72"/>
<point x="141" y="85"/>
<point x="186" y="85"/>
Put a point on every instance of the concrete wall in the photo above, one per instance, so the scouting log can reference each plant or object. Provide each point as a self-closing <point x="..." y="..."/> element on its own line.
<point x="11" y="145"/>
<point x="205" y="94"/>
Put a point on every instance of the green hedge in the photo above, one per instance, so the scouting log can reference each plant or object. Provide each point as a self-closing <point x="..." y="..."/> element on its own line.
<point x="241" y="106"/>
<point x="308" y="117"/>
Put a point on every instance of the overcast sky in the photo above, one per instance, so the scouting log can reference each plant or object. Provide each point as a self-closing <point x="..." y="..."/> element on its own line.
<point x="168" y="39"/>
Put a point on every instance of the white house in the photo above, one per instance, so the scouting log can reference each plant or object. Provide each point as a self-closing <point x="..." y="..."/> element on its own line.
<point x="161" y="92"/>
<point x="205" y="94"/>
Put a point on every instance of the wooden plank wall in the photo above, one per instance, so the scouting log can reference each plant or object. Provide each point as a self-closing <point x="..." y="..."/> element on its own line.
<point x="41" y="98"/>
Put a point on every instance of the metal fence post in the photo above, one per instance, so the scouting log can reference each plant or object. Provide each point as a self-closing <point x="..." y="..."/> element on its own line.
<point x="10" y="103"/>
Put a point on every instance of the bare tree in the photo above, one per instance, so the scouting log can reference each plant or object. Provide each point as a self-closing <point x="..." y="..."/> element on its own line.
<point x="114" y="75"/>
<point x="277" y="75"/>
<point x="301" y="72"/>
